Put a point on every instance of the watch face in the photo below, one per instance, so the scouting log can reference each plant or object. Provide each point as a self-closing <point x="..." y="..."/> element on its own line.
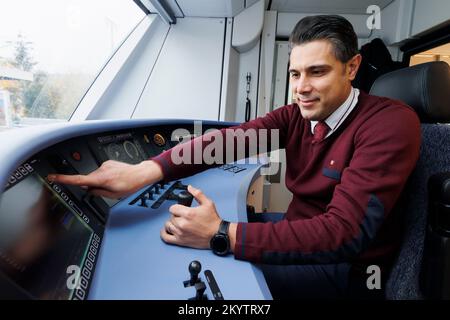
<point x="219" y="244"/>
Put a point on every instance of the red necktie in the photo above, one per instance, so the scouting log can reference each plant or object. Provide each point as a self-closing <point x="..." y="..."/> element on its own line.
<point x="320" y="131"/>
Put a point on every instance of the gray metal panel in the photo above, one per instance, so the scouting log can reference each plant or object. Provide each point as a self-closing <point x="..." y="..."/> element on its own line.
<point x="175" y="8"/>
<point x="267" y="63"/>
<point x="428" y="14"/>
<point x="185" y="82"/>
<point x="287" y="21"/>
<point x="282" y="59"/>
<point x="248" y="62"/>
<point x="249" y="3"/>
<point x="229" y="77"/>
<point x="211" y="8"/>
<point x="122" y="95"/>
<point x="327" y="6"/>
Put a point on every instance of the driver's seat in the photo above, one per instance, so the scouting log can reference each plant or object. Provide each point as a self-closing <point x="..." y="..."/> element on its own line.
<point x="426" y="88"/>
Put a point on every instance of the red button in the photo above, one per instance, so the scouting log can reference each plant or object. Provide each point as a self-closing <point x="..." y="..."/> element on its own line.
<point x="76" y="156"/>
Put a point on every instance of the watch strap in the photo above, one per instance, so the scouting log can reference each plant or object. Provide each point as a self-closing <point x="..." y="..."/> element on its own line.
<point x="224" y="226"/>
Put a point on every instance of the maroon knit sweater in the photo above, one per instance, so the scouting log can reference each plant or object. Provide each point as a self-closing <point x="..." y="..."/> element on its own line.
<point x="345" y="188"/>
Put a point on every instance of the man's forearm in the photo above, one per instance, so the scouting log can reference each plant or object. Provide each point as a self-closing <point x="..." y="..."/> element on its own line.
<point x="151" y="172"/>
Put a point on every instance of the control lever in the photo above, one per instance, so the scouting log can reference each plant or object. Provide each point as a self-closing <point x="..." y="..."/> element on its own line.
<point x="217" y="294"/>
<point x="185" y="198"/>
<point x="194" y="269"/>
<point x="164" y="193"/>
<point x="200" y="288"/>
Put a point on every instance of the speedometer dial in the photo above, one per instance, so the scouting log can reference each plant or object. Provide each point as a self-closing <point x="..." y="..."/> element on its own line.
<point x="131" y="150"/>
<point x="114" y="151"/>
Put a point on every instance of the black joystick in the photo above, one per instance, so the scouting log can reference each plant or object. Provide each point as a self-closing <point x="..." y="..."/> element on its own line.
<point x="185" y="198"/>
<point x="194" y="269"/>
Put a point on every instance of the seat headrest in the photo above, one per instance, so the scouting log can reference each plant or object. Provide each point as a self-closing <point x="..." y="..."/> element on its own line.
<point x="425" y="87"/>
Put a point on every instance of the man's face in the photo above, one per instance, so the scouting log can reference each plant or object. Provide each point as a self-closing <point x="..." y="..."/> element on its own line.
<point x="320" y="82"/>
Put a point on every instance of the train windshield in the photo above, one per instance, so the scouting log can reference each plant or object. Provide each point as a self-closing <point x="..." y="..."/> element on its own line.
<point x="52" y="51"/>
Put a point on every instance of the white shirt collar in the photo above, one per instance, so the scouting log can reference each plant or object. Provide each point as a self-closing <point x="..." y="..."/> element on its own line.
<point x="335" y="119"/>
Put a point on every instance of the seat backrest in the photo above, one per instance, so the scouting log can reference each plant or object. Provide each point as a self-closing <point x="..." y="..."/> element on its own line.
<point x="426" y="88"/>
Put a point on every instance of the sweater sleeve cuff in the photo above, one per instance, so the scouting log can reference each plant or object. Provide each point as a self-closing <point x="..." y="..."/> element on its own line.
<point x="243" y="251"/>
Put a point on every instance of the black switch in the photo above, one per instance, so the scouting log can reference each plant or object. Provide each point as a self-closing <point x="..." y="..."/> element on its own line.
<point x="185" y="198"/>
<point x="143" y="202"/>
<point x="60" y="164"/>
<point x="217" y="294"/>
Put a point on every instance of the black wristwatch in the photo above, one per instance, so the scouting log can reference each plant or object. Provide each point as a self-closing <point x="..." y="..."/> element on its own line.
<point x="220" y="242"/>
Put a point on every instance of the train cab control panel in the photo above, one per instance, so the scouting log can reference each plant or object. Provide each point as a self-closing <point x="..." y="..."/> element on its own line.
<point x="60" y="242"/>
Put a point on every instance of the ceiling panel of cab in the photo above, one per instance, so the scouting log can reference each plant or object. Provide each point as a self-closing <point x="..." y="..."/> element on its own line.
<point x="326" y="6"/>
<point x="230" y="8"/>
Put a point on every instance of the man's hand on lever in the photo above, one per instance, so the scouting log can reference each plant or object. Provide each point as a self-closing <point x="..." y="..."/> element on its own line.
<point x="114" y="179"/>
<point x="195" y="226"/>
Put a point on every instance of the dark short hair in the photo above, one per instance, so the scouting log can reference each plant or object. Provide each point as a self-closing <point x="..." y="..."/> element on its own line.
<point x="336" y="29"/>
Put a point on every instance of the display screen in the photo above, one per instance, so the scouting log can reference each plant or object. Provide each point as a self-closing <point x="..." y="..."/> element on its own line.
<point x="122" y="147"/>
<point x="40" y="238"/>
<point x="125" y="151"/>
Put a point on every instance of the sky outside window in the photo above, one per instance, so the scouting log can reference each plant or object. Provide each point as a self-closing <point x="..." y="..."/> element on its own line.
<point x="65" y="44"/>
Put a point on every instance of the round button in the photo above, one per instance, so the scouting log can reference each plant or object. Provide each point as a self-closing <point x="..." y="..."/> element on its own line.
<point x="76" y="156"/>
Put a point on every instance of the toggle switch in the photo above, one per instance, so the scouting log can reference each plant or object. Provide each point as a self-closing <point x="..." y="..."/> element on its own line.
<point x="143" y="202"/>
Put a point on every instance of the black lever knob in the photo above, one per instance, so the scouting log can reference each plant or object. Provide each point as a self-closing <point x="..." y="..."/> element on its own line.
<point x="185" y="198"/>
<point x="194" y="269"/>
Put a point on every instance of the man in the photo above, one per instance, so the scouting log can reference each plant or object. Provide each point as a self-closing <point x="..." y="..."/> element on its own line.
<point x="349" y="155"/>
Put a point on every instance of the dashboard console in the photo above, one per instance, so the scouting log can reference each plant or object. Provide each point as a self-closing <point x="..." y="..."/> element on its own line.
<point x="52" y="235"/>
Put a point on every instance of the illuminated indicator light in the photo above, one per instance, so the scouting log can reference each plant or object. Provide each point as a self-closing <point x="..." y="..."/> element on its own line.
<point x="76" y="156"/>
<point x="331" y="162"/>
<point x="159" y="140"/>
